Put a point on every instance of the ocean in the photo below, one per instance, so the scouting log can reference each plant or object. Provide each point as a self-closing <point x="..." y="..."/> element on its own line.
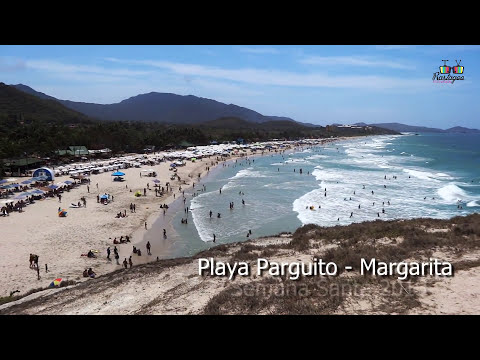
<point x="362" y="179"/>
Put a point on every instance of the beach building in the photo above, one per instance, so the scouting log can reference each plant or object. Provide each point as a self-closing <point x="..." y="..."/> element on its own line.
<point x="73" y="151"/>
<point x="18" y="167"/>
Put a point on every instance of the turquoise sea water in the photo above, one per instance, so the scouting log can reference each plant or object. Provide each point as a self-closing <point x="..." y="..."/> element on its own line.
<point x="429" y="175"/>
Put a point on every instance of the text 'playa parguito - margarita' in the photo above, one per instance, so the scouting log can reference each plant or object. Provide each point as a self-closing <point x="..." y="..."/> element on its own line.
<point x="317" y="267"/>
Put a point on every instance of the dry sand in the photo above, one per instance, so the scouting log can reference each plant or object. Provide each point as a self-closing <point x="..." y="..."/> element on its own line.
<point x="59" y="242"/>
<point x="174" y="287"/>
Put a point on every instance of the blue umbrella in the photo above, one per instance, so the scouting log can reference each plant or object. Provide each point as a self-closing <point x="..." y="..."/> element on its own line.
<point x="38" y="191"/>
<point x="21" y="196"/>
<point x="156" y="181"/>
<point x="15" y="185"/>
<point x="173" y="165"/>
<point x="118" y="173"/>
<point x="103" y="196"/>
<point x="6" y="187"/>
<point x="27" y="181"/>
<point x="52" y="186"/>
<point x="3" y="181"/>
<point x="68" y="182"/>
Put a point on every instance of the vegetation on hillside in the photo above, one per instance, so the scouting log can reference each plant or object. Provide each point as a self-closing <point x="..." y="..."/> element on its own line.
<point x="33" y="126"/>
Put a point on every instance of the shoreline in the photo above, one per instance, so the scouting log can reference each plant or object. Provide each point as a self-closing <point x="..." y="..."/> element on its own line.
<point x="60" y="241"/>
<point x="158" y="222"/>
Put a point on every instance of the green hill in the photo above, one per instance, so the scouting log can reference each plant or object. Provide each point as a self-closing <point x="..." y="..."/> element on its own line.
<point x="16" y="105"/>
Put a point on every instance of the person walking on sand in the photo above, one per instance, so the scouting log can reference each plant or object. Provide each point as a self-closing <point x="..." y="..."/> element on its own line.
<point x="108" y="253"/>
<point x="164" y="233"/>
<point x="211" y="214"/>
<point x="145" y="225"/>
<point x="117" y="257"/>
<point x="88" y="189"/>
<point x="214" y="238"/>
<point x="125" y="263"/>
<point x="130" y="261"/>
<point x="148" y="248"/>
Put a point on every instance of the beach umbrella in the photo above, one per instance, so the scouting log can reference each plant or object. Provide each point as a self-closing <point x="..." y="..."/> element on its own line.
<point x="27" y="181"/>
<point x="103" y="196"/>
<point x="52" y="186"/>
<point x="173" y="165"/>
<point x="55" y="282"/>
<point x="68" y="182"/>
<point x="6" y="187"/>
<point x="20" y="196"/>
<point x="3" y="181"/>
<point x="38" y="192"/>
<point x="15" y="185"/>
<point x="118" y="173"/>
<point x="156" y="181"/>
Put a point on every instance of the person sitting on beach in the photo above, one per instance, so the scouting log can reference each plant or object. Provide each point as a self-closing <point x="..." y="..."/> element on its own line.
<point x="91" y="273"/>
<point x="218" y="215"/>
<point x="127" y="238"/>
<point x="139" y="252"/>
<point x="115" y="241"/>
<point x="85" y="273"/>
<point x="134" y="250"/>
<point x="91" y="254"/>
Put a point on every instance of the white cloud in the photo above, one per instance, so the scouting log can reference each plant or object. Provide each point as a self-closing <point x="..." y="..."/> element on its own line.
<point x="353" y="61"/>
<point x="394" y="47"/>
<point x="282" y="78"/>
<point x="62" y="68"/>
<point x="259" y="50"/>
<point x="9" y="64"/>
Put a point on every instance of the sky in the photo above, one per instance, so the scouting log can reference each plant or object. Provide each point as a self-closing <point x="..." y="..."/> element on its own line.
<point x="316" y="84"/>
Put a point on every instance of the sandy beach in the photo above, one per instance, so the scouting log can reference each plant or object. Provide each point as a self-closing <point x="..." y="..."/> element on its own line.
<point x="60" y="242"/>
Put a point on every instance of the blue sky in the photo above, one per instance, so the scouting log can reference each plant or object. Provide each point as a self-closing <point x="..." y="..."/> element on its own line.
<point x="316" y="84"/>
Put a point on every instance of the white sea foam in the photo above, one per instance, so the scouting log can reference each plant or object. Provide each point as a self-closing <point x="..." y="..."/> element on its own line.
<point x="452" y="193"/>
<point x="425" y="175"/>
<point x="248" y="173"/>
<point x="318" y="156"/>
<point x="473" y="203"/>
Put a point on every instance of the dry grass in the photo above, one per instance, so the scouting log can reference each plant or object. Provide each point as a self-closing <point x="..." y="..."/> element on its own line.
<point x="309" y="295"/>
